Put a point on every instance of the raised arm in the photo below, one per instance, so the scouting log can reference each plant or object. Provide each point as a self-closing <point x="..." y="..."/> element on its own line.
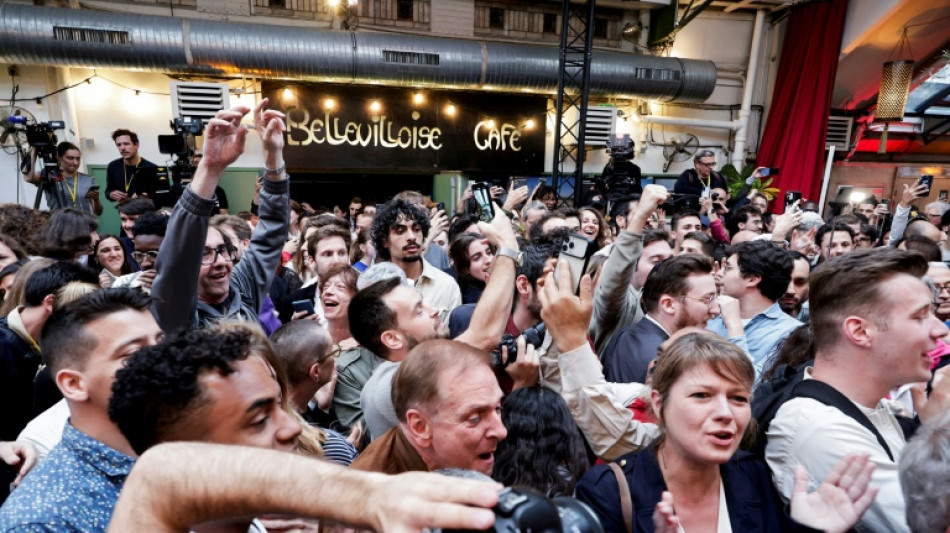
<point x="612" y="307"/>
<point x="175" y="289"/>
<point x="177" y="485"/>
<point x="491" y="313"/>
<point x="599" y="408"/>
<point x="254" y="274"/>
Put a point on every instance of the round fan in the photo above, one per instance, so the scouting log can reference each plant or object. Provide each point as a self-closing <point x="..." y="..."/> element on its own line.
<point x="13" y="134"/>
<point x="679" y="149"/>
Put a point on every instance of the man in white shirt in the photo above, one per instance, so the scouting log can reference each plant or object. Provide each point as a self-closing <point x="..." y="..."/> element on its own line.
<point x="873" y="325"/>
<point x="399" y="231"/>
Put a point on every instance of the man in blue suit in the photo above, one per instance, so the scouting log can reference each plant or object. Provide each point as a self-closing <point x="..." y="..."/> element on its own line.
<point x="680" y="292"/>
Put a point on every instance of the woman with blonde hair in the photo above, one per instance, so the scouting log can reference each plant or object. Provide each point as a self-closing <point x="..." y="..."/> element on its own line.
<point x="702" y="386"/>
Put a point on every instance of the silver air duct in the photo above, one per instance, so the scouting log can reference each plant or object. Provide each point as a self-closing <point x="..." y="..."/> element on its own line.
<point x="96" y="39"/>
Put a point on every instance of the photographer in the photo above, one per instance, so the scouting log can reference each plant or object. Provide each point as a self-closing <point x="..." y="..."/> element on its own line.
<point x="67" y="188"/>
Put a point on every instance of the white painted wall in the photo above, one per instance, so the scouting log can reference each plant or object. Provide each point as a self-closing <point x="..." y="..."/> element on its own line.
<point x="93" y="111"/>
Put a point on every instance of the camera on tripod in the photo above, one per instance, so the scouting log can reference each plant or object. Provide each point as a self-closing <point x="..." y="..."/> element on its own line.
<point x="41" y="136"/>
<point x="620" y="177"/>
<point x="181" y="146"/>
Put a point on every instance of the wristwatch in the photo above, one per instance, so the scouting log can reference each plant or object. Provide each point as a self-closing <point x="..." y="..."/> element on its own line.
<point x="514" y="255"/>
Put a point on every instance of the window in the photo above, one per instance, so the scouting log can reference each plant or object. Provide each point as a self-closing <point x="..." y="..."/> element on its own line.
<point x="496" y="18"/>
<point x="600" y="28"/>
<point x="404" y="9"/>
<point x="278" y="3"/>
<point x="550" y="23"/>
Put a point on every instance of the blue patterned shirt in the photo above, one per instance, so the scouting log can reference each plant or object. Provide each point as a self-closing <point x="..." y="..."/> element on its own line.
<point x="74" y="489"/>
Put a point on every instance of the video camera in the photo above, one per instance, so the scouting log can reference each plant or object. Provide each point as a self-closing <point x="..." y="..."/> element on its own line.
<point x="525" y="509"/>
<point x="41" y="137"/>
<point x="181" y="146"/>
<point x="620" y="177"/>
<point x="534" y="336"/>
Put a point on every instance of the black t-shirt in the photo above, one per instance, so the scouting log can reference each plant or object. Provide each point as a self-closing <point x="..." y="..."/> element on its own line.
<point x="141" y="179"/>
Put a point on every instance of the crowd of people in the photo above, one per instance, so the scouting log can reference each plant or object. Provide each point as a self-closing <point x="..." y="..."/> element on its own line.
<point x="726" y="369"/>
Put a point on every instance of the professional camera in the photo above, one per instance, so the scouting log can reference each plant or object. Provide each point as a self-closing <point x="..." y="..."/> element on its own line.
<point x="620" y="177"/>
<point x="181" y="146"/>
<point x="41" y="137"/>
<point x="525" y="509"/>
<point x="534" y="336"/>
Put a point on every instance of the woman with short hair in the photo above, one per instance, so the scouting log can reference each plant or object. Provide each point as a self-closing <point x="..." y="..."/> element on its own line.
<point x="702" y="385"/>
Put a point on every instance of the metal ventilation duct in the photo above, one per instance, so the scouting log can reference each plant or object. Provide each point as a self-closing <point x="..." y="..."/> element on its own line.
<point x="96" y="39"/>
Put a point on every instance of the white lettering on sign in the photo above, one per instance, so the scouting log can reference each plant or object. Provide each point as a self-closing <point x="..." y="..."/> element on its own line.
<point x="380" y="131"/>
<point x="490" y="137"/>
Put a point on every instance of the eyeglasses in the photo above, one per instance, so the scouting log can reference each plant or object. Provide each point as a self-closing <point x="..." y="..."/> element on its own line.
<point x="941" y="288"/>
<point x="708" y="300"/>
<point x="210" y="255"/>
<point x="333" y="352"/>
<point x="153" y="255"/>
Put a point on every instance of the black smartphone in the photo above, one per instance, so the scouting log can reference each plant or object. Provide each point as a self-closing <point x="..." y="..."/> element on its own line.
<point x="440" y="206"/>
<point x="927" y="180"/>
<point x="576" y="252"/>
<point x="770" y="171"/>
<point x="304" y="305"/>
<point x="482" y="194"/>
<point x="517" y="183"/>
<point x="791" y="197"/>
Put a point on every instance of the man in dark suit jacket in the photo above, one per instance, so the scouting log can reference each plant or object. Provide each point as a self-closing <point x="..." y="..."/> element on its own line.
<point x="680" y="292"/>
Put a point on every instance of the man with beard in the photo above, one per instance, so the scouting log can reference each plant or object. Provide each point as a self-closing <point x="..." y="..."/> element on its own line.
<point x="680" y="292"/>
<point x="795" y="300"/>
<point x="388" y="319"/>
<point x="399" y="231"/>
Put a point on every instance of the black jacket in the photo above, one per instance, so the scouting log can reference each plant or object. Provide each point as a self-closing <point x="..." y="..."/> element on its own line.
<point x="752" y="502"/>
<point x="629" y="352"/>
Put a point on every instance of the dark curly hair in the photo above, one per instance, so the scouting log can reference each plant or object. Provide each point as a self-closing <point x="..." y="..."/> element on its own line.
<point x="22" y="224"/>
<point x="159" y="386"/>
<point x="543" y="449"/>
<point x="151" y="223"/>
<point x="386" y="217"/>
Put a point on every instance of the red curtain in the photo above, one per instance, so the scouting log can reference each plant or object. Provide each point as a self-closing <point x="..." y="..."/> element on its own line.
<point x="794" y="135"/>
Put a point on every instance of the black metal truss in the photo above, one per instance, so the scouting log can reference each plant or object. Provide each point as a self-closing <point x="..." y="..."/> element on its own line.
<point x="573" y="89"/>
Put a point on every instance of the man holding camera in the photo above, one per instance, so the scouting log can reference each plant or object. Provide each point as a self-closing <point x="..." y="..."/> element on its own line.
<point x="129" y="176"/>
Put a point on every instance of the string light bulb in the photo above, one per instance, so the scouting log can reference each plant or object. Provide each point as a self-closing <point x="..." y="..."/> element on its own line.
<point x="375" y="106"/>
<point x="450" y="110"/>
<point x="418" y="98"/>
<point x="288" y="94"/>
<point x="529" y="124"/>
<point x="329" y="104"/>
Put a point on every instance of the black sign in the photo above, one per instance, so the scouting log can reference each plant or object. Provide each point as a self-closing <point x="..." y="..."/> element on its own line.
<point x="392" y="129"/>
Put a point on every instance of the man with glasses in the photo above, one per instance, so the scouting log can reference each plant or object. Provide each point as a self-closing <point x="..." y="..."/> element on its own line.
<point x="939" y="275"/>
<point x="198" y="282"/>
<point x="680" y="292"/>
<point x="701" y="179"/>
<point x="149" y="233"/>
